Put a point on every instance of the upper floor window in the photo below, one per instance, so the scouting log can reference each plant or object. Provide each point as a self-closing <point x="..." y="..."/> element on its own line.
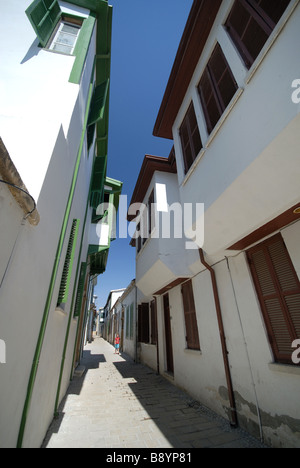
<point x="216" y="87"/>
<point x="66" y="36"/>
<point x="251" y="22"/>
<point x="190" y="138"/>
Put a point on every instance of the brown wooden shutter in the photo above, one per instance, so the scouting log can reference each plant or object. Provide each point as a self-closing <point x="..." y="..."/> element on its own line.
<point x="278" y="290"/>
<point x="192" y="334"/>
<point x="153" y="322"/>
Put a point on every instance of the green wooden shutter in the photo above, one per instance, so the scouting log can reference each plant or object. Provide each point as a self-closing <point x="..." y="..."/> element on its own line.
<point x="97" y="186"/>
<point x="44" y="16"/>
<point x="66" y="276"/>
<point x="98" y="103"/>
<point x="80" y="289"/>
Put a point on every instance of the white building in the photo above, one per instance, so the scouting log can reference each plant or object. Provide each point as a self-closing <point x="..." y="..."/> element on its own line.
<point x="112" y="319"/>
<point x="127" y="304"/>
<point x="228" y="312"/>
<point x="54" y="84"/>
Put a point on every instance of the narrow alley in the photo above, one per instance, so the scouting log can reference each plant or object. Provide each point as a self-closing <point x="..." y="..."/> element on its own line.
<point x="116" y="403"/>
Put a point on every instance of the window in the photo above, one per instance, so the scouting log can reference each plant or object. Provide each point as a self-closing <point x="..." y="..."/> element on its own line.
<point x="129" y="321"/>
<point x="139" y="237"/>
<point x="190" y="138"/>
<point x="216" y="88"/>
<point x="192" y="334"/>
<point x="250" y="24"/>
<point x="67" y="270"/>
<point x="147" y="323"/>
<point x="151" y="213"/>
<point x="59" y="32"/>
<point x="278" y="290"/>
<point x="66" y="36"/>
<point x="80" y="289"/>
<point x="153" y="311"/>
<point x="97" y="183"/>
<point x="143" y="323"/>
<point x="98" y="103"/>
<point x="141" y="228"/>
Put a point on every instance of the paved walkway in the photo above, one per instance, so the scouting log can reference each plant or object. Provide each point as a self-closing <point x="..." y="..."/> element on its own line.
<point x="119" y="404"/>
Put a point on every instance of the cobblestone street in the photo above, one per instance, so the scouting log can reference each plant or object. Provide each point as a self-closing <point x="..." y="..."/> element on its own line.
<point x="116" y="403"/>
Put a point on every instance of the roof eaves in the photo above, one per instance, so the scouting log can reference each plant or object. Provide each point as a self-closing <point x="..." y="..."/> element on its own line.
<point x="200" y="21"/>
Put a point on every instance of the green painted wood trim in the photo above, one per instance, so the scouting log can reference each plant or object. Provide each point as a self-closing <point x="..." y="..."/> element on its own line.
<point x="68" y="266"/>
<point x="43" y="18"/>
<point x="82" y="47"/>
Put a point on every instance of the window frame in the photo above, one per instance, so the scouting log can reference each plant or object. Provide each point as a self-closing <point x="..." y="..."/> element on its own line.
<point x="69" y="21"/>
<point x="151" y="212"/>
<point x="187" y="124"/>
<point x="215" y="89"/>
<point x="262" y="19"/>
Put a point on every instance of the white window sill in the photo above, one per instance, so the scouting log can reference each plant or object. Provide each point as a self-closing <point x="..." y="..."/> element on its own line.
<point x="194" y="352"/>
<point x="213" y="134"/>
<point x="61" y="311"/>
<point x="284" y="368"/>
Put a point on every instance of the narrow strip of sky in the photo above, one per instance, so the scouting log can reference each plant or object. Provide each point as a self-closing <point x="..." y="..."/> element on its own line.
<point x="145" y="38"/>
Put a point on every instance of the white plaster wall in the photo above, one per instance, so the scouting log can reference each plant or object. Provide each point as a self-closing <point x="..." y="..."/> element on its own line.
<point x="41" y="124"/>
<point x="163" y="257"/>
<point x="130" y="344"/>
<point x="200" y="373"/>
<point x="36" y="98"/>
<point x="10" y="226"/>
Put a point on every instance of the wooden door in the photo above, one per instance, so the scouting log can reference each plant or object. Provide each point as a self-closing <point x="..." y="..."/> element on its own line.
<point x="168" y="335"/>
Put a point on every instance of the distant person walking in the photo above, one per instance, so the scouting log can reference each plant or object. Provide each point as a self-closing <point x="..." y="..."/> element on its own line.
<point x="117" y="344"/>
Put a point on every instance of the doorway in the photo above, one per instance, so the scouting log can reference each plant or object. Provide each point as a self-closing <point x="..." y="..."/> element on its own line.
<point x="168" y="335"/>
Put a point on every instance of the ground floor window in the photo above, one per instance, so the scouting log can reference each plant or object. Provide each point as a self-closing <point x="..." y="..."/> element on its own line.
<point x="191" y="325"/>
<point x="129" y="321"/>
<point x="143" y="323"/>
<point x="278" y="290"/>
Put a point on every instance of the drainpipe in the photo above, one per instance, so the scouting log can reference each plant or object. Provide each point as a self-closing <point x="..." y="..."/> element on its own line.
<point x="233" y="417"/>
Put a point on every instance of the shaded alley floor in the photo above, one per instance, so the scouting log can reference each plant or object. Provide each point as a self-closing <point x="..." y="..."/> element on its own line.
<point x="119" y="404"/>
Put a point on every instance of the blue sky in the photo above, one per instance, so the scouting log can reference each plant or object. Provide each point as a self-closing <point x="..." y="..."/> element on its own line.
<point x="145" y="38"/>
